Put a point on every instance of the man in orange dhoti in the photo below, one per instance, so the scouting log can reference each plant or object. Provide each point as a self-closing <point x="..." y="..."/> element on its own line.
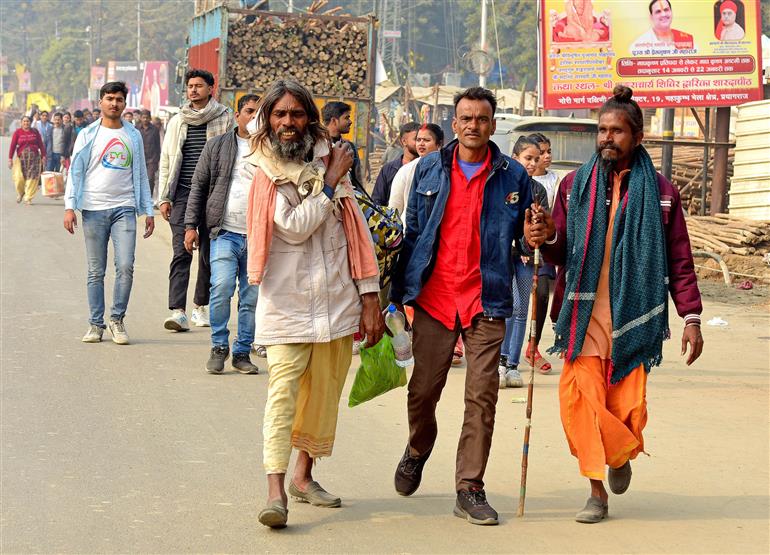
<point x="620" y="240"/>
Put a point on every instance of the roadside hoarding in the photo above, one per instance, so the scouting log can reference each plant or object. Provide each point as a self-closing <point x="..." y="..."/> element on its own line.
<point x="155" y="83"/>
<point x="131" y="74"/>
<point x="98" y="76"/>
<point x="671" y="53"/>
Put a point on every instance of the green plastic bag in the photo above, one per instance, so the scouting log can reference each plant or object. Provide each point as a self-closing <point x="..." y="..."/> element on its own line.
<point x="377" y="374"/>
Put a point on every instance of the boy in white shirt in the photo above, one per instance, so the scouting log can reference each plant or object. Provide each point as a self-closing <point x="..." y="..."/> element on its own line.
<point x="108" y="184"/>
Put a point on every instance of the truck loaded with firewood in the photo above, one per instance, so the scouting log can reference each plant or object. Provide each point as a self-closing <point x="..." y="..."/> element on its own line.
<point x="333" y="55"/>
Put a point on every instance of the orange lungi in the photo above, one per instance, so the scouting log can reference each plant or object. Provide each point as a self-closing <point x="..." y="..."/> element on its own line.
<point x="603" y="424"/>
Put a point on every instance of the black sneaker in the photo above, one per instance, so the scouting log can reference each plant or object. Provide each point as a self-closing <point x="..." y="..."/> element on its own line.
<point x="472" y="506"/>
<point x="409" y="472"/>
<point x="216" y="362"/>
<point x="242" y="363"/>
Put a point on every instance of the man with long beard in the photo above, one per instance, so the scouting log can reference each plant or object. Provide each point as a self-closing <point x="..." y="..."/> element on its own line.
<point x="620" y="240"/>
<point x="311" y="252"/>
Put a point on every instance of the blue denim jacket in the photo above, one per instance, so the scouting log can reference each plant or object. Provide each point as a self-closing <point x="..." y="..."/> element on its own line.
<point x="507" y="193"/>
<point x="73" y="195"/>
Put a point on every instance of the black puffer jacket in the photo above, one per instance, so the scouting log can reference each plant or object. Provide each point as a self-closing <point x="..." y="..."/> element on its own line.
<point x="210" y="185"/>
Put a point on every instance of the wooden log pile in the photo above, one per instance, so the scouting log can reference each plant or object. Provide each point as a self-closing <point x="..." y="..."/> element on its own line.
<point x="327" y="56"/>
<point x="375" y="165"/>
<point x="726" y="234"/>
<point x="687" y="174"/>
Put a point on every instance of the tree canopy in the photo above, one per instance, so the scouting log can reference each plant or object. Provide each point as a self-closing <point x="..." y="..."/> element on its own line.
<point x="58" y="41"/>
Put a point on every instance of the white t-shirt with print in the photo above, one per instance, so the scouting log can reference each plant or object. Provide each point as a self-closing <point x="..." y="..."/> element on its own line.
<point x="238" y="198"/>
<point x="109" y="181"/>
<point x="549" y="181"/>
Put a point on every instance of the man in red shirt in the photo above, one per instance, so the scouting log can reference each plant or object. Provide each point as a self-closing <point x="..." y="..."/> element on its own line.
<point x="466" y="206"/>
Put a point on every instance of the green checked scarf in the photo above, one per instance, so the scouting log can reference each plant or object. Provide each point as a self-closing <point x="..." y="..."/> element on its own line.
<point x="638" y="267"/>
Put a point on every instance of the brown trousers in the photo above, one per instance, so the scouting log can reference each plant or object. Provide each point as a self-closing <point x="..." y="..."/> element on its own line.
<point x="433" y="345"/>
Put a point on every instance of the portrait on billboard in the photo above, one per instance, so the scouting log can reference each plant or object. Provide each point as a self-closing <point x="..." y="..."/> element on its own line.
<point x="155" y="86"/>
<point x="729" y="20"/>
<point x="665" y="50"/>
<point x="662" y="36"/>
<point x="579" y="23"/>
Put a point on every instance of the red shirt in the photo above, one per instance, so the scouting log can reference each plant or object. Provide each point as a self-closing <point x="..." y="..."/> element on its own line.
<point x="23" y="140"/>
<point x="454" y="288"/>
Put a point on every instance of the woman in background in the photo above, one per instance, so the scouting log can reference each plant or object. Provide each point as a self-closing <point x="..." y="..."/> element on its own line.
<point x="550" y="181"/>
<point x="526" y="151"/>
<point x="27" y="146"/>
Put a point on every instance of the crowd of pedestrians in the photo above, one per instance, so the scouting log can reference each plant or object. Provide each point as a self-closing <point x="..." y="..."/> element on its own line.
<point x="267" y="197"/>
<point x="57" y="131"/>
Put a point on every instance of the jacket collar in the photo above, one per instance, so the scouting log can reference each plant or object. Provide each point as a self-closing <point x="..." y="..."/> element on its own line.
<point x="447" y="155"/>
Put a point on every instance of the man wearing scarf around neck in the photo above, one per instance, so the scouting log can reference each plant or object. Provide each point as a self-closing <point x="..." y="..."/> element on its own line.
<point x="200" y="119"/>
<point x="311" y="252"/>
<point x="620" y="240"/>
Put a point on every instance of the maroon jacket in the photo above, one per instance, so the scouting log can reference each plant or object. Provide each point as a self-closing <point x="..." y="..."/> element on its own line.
<point x="682" y="284"/>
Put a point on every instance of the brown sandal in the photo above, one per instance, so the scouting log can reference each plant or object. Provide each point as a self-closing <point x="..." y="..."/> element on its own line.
<point x="457" y="358"/>
<point x="542" y="365"/>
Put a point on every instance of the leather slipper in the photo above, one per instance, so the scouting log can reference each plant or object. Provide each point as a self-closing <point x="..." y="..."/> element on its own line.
<point x="315" y="495"/>
<point x="619" y="478"/>
<point x="594" y="511"/>
<point x="274" y="515"/>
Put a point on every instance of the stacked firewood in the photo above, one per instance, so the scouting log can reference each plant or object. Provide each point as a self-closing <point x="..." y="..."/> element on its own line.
<point x="375" y="164"/>
<point x="726" y="234"/>
<point x="328" y="56"/>
<point x="687" y="174"/>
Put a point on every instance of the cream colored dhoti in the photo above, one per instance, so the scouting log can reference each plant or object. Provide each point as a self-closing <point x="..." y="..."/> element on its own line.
<point x="303" y="395"/>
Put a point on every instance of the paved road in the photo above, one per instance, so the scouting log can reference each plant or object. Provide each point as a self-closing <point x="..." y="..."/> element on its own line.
<point x="110" y="448"/>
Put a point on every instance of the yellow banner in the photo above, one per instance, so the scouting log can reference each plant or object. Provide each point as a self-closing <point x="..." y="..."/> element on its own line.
<point x="670" y="52"/>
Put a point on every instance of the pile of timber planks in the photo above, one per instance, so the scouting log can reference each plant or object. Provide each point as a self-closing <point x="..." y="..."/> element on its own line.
<point x="375" y="164"/>
<point x="726" y="234"/>
<point x="687" y="173"/>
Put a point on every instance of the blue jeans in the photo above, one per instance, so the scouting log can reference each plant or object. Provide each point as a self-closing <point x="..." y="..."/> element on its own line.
<point x="53" y="163"/>
<point x="516" y="325"/>
<point x="228" y="261"/>
<point x="98" y="227"/>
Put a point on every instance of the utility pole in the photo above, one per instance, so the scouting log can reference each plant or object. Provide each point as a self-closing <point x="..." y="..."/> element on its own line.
<point x="2" y="72"/>
<point x="483" y="40"/>
<point x="90" y="41"/>
<point x="389" y="12"/>
<point x="138" y="33"/>
<point x="667" y="156"/>
<point x="99" y="29"/>
<point x="719" y="178"/>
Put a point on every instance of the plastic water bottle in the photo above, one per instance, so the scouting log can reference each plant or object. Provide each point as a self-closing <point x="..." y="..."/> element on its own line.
<point x="402" y="345"/>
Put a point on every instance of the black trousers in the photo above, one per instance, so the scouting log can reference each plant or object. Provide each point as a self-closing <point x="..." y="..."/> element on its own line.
<point x="179" y="270"/>
<point x="152" y="174"/>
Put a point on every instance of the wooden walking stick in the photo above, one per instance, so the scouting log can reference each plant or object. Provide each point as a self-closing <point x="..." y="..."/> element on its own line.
<point x="531" y="385"/>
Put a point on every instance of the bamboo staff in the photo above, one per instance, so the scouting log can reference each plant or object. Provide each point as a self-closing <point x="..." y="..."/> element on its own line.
<point x="531" y="385"/>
